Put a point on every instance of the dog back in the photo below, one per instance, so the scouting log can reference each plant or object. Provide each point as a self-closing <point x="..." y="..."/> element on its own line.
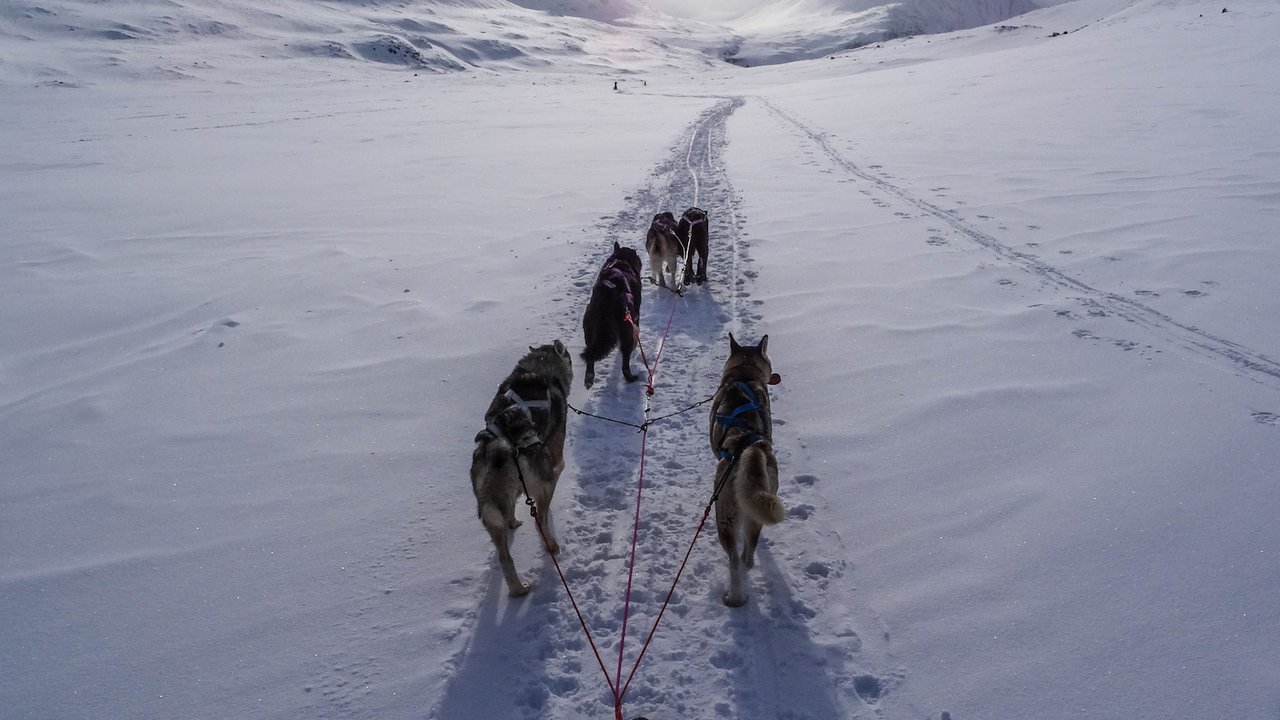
<point x="693" y="225"/>
<point x="620" y="279"/>
<point x="531" y="404"/>
<point x="663" y="236"/>
<point x="739" y="411"/>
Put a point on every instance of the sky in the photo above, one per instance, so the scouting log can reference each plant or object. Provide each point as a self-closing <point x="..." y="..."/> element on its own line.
<point x="262" y="276"/>
<point x="710" y="10"/>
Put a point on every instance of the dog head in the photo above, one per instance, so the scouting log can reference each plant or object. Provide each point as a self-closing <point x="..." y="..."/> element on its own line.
<point x="663" y="222"/>
<point x="627" y="256"/>
<point x="694" y="215"/>
<point x="552" y="362"/>
<point x="748" y="362"/>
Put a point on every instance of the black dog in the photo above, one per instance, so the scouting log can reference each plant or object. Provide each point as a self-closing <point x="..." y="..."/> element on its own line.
<point x="613" y="312"/>
<point x="694" y="228"/>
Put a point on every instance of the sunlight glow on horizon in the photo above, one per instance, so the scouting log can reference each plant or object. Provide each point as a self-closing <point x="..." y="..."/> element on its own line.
<point x="705" y="9"/>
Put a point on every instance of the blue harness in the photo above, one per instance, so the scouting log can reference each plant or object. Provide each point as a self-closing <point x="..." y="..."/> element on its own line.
<point x="734" y="419"/>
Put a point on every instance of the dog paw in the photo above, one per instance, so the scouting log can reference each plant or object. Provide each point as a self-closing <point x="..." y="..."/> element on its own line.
<point x="735" y="600"/>
<point x="520" y="590"/>
<point x="514" y="523"/>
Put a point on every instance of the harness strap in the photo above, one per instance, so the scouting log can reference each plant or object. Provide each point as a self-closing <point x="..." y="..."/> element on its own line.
<point x="613" y="275"/>
<point x="733" y="419"/>
<point x="525" y="406"/>
<point x="496" y="431"/>
<point x="746" y="442"/>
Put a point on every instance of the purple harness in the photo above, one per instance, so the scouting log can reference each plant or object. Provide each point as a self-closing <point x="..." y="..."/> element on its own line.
<point x="615" y="276"/>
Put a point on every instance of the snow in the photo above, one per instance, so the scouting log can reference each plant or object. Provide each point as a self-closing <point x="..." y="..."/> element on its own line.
<point x="260" y="282"/>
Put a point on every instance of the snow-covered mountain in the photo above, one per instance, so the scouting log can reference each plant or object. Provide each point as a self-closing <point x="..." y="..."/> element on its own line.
<point x="75" y="41"/>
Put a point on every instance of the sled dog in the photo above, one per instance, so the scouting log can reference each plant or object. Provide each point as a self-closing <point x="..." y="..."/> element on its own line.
<point x="665" y="249"/>
<point x="747" y="474"/>
<point x="521" y="450"/>
<point x="693" y="230"/>
<point x="605" y="324"/>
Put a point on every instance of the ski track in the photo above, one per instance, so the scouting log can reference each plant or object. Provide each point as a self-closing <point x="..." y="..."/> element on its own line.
<point x="1100" y="303"/>
<point x="530" y="657"/>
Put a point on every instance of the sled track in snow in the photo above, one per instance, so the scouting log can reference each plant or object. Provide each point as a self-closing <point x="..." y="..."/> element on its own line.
<point x="763" y="655"/>
<point x="1256" y="365"/>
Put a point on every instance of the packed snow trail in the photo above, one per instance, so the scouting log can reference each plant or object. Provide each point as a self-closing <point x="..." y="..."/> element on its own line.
<point x="767" y="656"/>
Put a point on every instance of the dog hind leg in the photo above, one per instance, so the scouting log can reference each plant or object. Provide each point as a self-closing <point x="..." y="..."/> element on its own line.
<point x="540" y="476"/>
<point x="626" y="345"/>
<point x="751" y="534"/>
<point x="735" y="596"/>
<point x="495" y="521"/>
<point x="544" y="521"/>
<point x="727" y="529"/>
<point x="655" y="270"/>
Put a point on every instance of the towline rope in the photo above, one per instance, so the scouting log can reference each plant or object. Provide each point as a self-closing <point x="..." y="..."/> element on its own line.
<point x="652" y="370"/>
<point x="706" y="512"/>
<point x="614" y="682"/>
<point x="647" y="424"/>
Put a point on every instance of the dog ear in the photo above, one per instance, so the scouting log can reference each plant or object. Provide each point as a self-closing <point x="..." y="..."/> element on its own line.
<point x="764" y="346"/>
<point x="616" y="246"/>
<point x="560" y="347"/>
<point x="733" y="344"/>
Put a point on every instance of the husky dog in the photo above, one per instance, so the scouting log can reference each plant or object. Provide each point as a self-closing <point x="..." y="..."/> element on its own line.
<point x="664" y="247"/>
<point x="693" y="229"/>
<point x="613" y="312"/>
<point x="521" y="450"/>
<point x="747" y="475"/>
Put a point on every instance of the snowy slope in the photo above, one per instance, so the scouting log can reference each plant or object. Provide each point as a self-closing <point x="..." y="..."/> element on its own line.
<point x="75" y="42"/>
<point x="79" y="42"/>
<point x="1018" y="280"/>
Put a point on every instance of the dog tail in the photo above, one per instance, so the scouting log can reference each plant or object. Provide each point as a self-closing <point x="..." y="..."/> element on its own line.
<point x="756" y="485"/>
<point x="490" y="461"/>
<point x="599" y="327"/>
<point x="599" y="345"/>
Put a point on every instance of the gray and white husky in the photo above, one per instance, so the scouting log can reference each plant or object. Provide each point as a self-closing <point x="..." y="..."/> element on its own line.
<point x="521" y="450"/>
<point x="741" y="429"/>
<point x="665" y="249"/>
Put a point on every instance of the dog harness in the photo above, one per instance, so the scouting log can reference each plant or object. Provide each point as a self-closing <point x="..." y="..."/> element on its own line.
<point x="743" y="445"/>
<point x="614" y="276"/>
<point x="526" y="406"/>
<point x="734" y="419"/>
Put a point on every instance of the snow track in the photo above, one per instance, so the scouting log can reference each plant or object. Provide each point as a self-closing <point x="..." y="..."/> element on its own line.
<point x="765" y="656"/>
<point x="1100" y="302"/>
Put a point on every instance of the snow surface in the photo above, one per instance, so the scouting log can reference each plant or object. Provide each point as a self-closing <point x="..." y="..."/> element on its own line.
<point x="260" y="280"/>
